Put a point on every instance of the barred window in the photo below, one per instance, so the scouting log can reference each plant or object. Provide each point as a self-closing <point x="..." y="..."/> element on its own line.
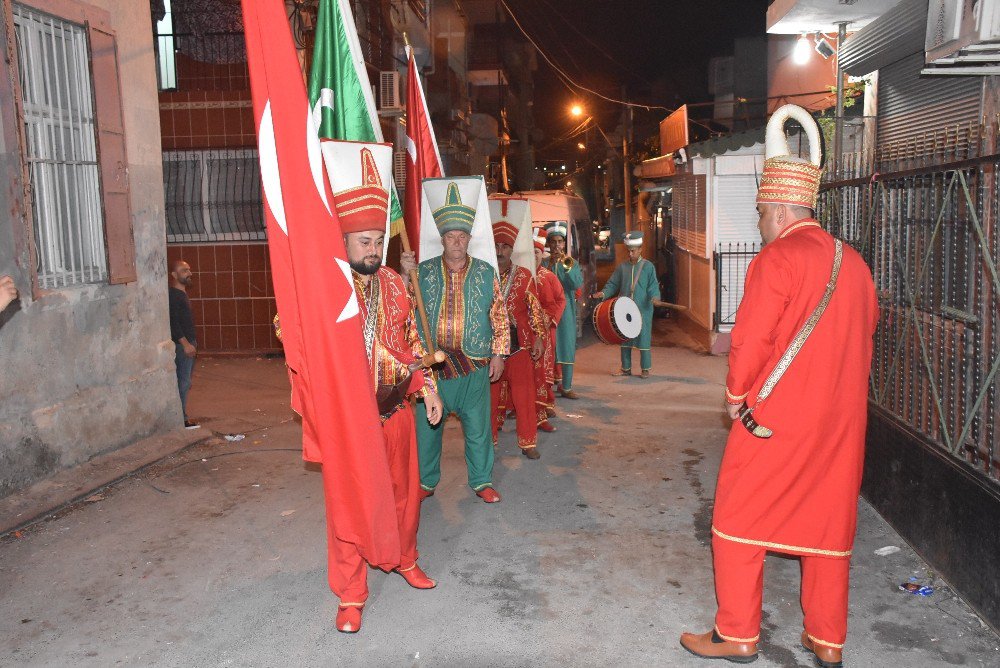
<point x="213" y="195"/>
<point x="60" y="149"/>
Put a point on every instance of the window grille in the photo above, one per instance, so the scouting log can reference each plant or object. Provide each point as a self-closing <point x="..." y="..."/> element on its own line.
<point x="61" y="149"/>
<point x="213" y="195"/>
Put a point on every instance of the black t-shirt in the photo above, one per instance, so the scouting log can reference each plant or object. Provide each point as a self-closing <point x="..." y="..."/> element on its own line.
<point x="181" y="319"/>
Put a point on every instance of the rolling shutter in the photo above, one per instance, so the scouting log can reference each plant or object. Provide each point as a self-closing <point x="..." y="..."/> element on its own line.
<point x="914" y="109"/>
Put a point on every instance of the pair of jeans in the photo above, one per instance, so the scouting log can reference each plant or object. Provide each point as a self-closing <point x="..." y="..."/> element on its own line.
<point x="185" y="367"/>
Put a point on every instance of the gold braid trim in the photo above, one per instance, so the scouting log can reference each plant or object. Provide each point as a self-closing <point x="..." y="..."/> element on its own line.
<point x="823" y="642"/>
<point x="781" y="547"/>
<point x="756" y="638"/>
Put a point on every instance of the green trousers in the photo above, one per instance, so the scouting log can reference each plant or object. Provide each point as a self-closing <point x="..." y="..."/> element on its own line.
<point x="469" y="398"/>
<point x="645" y="357"/>
<point x="567" y="377"/>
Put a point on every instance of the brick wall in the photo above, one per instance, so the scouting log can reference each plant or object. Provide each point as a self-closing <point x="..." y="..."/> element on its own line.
<point x="232" y="296"/>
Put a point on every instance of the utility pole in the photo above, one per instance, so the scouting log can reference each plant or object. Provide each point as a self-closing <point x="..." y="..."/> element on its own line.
<point x="627" y="180"/>
<point x="838" y="131"/>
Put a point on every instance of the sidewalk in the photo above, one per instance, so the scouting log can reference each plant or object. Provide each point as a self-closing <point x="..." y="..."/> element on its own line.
<point x="598" y="554"/>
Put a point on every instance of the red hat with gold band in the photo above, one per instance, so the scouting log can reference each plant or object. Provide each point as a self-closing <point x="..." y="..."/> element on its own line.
<point x="365" y="207"/>
<point x="788" y="179"/>
<point x="539" y="238"/>
<point x="504" y="232"/>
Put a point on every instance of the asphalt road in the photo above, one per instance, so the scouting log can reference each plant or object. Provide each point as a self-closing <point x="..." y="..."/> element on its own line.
<point x="598" y="554"/>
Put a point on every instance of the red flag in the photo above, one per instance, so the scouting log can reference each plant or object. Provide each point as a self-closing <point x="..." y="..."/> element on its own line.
<point x="339" y="400"/>
<point x="422" y="158"/>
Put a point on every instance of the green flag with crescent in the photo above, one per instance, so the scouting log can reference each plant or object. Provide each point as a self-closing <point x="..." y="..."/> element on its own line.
<point x="340" y="95"/>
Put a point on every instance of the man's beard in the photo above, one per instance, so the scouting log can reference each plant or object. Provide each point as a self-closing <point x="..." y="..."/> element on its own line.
<point x="366" y="269"/>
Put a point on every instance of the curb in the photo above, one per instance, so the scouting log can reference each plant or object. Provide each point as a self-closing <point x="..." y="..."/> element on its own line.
<point x="40" y="501"/>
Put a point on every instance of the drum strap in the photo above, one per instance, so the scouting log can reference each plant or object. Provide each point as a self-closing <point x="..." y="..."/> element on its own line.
<point x="746" y="413"/>
<point x="636" y="273"/>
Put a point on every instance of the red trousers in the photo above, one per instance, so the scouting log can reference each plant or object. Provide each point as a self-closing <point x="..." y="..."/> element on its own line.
<point x="517" y="388"/>
<point x="348" y="572"/>
<point x="739" y="588"/>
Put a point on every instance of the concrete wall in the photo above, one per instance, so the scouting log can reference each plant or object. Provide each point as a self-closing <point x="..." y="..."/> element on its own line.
<point x="90" y="368"/>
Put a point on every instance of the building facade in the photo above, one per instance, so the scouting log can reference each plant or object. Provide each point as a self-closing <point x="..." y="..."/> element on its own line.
<point x="87" y="356"/>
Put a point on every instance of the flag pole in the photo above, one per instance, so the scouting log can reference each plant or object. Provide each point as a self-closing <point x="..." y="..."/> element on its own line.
<point x="432" y="353"/>
<point x="433" y="356"/>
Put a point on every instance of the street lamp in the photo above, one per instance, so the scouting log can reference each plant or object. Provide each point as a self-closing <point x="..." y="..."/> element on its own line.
<point x="576" y="110"/>
<point x="800" y="54"/>
<point x="580" y="145"/>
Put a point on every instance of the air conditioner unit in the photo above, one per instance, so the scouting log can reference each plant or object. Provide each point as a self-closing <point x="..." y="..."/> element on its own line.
<point x="962" y="30"/>
<point x="399" y="169"/>
<point x="388" y="93"/>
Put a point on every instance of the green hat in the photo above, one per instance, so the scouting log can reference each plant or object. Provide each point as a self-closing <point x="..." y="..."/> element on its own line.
<point x="453" y="215"/>
<point x="633" y="239"/>
<point x="556" y="229"/>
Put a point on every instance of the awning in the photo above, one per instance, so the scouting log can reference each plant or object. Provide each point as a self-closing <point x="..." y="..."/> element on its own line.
<point x="721" y="145"/>
<point x="656" y="168"/>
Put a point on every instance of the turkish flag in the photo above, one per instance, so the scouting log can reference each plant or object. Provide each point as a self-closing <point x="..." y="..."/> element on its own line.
<point x="422" y="158"/>
<point x="317" y="296"/>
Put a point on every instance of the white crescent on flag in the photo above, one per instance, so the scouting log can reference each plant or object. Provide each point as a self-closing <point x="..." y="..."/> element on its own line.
<point x="316" y="161"/>
<point x="267" y="155"/>
<point x="325" y="100"/>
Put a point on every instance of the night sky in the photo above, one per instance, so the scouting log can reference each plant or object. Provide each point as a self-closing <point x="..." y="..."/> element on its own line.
<point x="658" y="49"/>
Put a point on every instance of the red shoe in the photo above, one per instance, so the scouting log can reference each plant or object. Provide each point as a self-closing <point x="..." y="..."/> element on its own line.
<point x="545" y="425"/>
<point x="349" y="618"/>
<point x="424" y="493"/>
<point x="416" y="578"/>
<point x="489" y="495"/>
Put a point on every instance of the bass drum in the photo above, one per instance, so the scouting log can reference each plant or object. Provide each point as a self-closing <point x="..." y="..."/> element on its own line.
<point x="617" y="320"/>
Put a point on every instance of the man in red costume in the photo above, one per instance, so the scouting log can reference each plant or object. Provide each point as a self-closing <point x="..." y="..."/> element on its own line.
<point x="527" y="343"/>
<point x="394" y="354"/>
<point x="553" y="301"/>
<point x="796" y="491"/>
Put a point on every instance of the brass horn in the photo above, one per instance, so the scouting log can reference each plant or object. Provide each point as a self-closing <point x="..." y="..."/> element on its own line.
<point x="567" y="262"/>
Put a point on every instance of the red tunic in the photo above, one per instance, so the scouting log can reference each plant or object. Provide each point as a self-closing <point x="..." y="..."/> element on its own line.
<point x="395" y="344"/>
<point x="797" y="491"/>
<point x="523" y="307"/>
<point x="551" y="295"/>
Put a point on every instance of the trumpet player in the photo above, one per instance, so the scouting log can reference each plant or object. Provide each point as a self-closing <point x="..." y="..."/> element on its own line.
<point x="567" y="270"/>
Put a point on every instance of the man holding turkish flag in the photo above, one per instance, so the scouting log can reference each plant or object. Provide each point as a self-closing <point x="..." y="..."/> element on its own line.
<point x="318" y="305"/>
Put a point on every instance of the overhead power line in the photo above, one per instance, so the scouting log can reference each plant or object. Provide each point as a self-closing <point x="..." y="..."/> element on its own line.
<point x="567" y="77"/>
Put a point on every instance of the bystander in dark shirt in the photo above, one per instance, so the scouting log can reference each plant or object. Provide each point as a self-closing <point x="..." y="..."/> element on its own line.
<point x="181" y="319"/>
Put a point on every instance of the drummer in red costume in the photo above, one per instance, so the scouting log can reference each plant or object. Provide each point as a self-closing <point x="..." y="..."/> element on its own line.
<point x="553" y="301"/>
<point x="527" y="343"/>
<point x="796" y="491"/>
<point x="393" y="350"/>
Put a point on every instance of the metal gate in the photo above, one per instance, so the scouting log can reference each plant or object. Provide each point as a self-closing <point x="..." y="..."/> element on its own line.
<point x="730" y="261"/>
<point x="930" y="233"/>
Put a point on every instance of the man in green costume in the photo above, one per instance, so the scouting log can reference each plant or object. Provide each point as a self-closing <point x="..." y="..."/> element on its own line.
<point x="468" y="321"/>
<point x="568" y="272"/>
<point x="635" y="278"/>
